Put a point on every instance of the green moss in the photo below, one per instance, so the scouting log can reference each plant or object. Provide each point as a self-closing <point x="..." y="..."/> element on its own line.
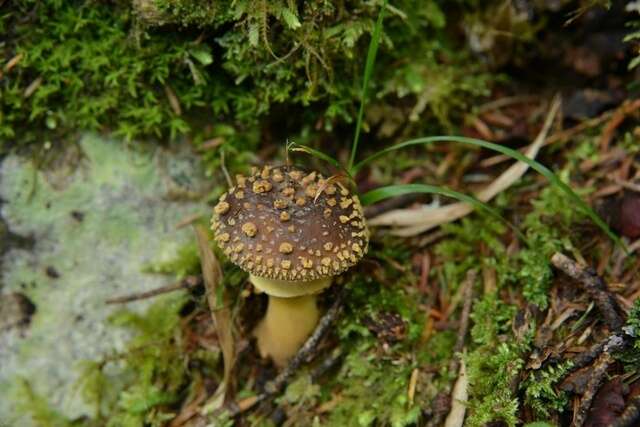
<point x="630" y="357"/>
<point x="246" y="60"/>
<point x="368" y="298"/>
<point x="383" y="383"/>
<point x="187" y="13"/>
<point x="38" y="408"/>
<point x="540" y="392"/>
<point x="186" y="262"/>
<point x="548" y="230"/>
<point x="494" y="363"/>
<point x="461" y="249"/>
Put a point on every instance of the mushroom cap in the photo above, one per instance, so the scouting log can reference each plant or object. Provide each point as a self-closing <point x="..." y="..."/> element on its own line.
<point x="286" y="224"/>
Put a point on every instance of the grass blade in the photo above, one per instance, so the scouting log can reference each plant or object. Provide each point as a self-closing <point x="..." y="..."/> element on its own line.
<point x="368" y="71"/>
<point x="535" y="165"/>
<point x="389" y="191"/>
<point x="315" y="153"/>
<point x="292" y="146"/>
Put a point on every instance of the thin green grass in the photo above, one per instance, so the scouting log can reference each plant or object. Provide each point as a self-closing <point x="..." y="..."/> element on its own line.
<point x="535" y="165"/>
<point x="368" y="71"/>
<point x="295" y="147"/>
<point x="389" y="191"/>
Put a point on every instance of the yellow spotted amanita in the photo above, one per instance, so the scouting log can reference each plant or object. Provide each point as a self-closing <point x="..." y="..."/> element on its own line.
<point x="293" y="232"/>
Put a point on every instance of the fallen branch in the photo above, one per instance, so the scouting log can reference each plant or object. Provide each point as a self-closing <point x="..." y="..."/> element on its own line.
<point x="469" y="281"/>
<point x="275" y="385"/>
<point x="459" y="399"/>
<point x="613" y="343"/>
<point x="188" y="282"/>
<point x="594" y="286"/>
<point x="327" y="364"/>
<point x="597" y="375"/>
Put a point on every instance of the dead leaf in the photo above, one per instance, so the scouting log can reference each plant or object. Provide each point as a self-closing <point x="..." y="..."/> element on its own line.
<point x="221" y="314"/>
<point x="459" y="399"/>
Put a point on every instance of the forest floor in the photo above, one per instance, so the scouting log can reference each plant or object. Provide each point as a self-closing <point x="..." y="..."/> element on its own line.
<point x="454" y="316"/>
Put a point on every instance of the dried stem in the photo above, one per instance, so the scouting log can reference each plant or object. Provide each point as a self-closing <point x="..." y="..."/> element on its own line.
<point x="614" y="342"/>
<point x="188" y="282"/>
<point x="594" y="286"/>
<point x="309" y="347"/>
<point x="454" y="364"/>
<point x="595" y="380"/>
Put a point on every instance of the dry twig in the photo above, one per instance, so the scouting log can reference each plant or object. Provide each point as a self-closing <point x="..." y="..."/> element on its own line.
<point x="449" y="405"/>
<point x="188" y="282"/>
<point x="458" y="400"/>
<point x="303" y="354"/>
<point x="594" y="286"/>
<point x="597" y="375"/>
<point x="612" y="343"/>
<point x="464" y="318"/>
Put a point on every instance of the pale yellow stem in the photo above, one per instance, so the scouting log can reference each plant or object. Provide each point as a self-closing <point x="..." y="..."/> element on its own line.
<point x="286" y="326"/>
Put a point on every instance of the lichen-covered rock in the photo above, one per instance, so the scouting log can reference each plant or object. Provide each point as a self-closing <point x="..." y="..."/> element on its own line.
<point x="90" y="232"/>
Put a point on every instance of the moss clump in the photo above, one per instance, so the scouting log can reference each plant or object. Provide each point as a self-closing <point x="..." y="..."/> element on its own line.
<point x="187" y="13"/>
<point x="540" y="392"/>
<point x="385" y="386"/>
<point x="141" y="386"/>
<point x="494" y="364"/>
<point x="186" y="262"/>
<point x="87" y="65"/>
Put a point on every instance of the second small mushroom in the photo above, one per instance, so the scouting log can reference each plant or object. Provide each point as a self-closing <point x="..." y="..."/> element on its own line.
<point x="292" y="232"/>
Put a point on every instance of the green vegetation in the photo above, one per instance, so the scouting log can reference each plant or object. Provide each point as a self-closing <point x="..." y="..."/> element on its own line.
<point x="494" y="363"/>
<point x="229" y="70"/>
<point x="210" y="68"/>
<point x="140" y="386"/>
<point x="634" y="32"/>
<point x="540" y="392"/>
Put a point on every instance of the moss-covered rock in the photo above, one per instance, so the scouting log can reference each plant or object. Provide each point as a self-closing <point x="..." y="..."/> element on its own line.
<point x="93" y="228"/>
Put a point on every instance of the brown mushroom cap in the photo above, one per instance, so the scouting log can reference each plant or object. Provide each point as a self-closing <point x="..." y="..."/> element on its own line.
<point x="286" y="224"/>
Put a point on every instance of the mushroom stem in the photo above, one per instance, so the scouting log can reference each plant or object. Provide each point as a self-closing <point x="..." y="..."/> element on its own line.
<point x="291" y="317"/>
<point x="286" y="326"/>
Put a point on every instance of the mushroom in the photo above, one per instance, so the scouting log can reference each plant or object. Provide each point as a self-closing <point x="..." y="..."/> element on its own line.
<point x="292" y="232"/>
